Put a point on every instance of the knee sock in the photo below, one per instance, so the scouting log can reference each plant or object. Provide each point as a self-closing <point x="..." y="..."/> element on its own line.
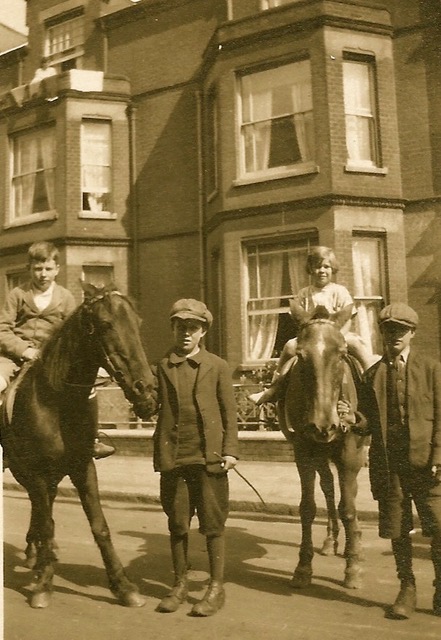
<point x="216" y="556"/>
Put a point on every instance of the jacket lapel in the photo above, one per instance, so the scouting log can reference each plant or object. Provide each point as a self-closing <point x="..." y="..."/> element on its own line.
<point x="204" y="367"/>
<point x="28" y="300"/>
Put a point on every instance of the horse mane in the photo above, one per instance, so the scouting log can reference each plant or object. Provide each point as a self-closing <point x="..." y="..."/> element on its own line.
<point x="57" y="354"/>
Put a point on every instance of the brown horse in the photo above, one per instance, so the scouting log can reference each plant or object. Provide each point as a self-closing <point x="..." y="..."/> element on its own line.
<point x="46" y="434"/>
<point x="323" y="375"/>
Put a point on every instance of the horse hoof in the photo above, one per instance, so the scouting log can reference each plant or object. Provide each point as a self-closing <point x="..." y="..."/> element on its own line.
<point x="301" y="580"/>
<point x="329" y="548"/>
<point x="353" y="580"/>
<point x="133" y="599"/>
<point x="41" y="600"/>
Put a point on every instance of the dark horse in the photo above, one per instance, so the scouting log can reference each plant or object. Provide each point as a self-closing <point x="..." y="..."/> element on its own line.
<point x="46" y="434"/>
<point x="322" y="375"/>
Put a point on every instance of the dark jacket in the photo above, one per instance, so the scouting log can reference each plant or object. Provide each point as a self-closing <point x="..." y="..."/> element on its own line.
<point x="22" y="325"/>
<point x="217" y="407"/>
<point x="423" y="416"/>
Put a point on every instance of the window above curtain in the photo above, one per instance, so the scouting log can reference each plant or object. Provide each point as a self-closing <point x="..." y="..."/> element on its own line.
<point x="33" y="174"/>
<point x="360" y="99"/>
<point x="276" y="120"/>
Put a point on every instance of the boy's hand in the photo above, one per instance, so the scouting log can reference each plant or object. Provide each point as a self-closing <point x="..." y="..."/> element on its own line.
<point x="229" y="462"/>
<point x="30" y="354"/>
<point x="345" y="412"/>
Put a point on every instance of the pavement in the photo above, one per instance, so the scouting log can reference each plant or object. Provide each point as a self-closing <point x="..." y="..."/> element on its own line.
<point x="131" y="478"/>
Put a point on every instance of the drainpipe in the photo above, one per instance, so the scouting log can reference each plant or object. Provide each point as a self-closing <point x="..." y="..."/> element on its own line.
<point x="201" y="238"/>
<point x="131" y="114"/>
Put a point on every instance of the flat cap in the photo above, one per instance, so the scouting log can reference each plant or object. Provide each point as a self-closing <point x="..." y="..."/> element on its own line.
<point x="191" y="309"/>
<point x="399" y="313"/>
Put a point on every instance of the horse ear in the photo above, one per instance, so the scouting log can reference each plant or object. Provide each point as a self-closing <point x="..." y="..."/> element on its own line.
<point x="298" y="313"/>
<point x="89" y="289"/>
<point x="342" y="316"/>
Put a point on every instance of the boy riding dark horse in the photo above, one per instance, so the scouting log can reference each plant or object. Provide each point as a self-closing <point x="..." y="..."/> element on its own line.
<point x="30" y="315"/>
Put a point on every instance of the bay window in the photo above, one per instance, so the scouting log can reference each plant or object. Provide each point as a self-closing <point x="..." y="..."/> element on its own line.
<point x="359" y="88"/>
<point x="368" y="256"/>
<point x="274" y="272"/>
<point x="276" y="120"/>
<point x="33" y="171"/>
<point x="96" y="168"/>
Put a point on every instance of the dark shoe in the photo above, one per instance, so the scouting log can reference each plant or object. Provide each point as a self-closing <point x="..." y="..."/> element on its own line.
<point x="405" y="603"/>
<point x="213" y="600"/>
<point x="101" y="450"/>
<point x="172" y="600"/>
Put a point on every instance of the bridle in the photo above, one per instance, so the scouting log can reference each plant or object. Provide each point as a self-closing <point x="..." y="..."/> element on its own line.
<point x="116" y="374"/>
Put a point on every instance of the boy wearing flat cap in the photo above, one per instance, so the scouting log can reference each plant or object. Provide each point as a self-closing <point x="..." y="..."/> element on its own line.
<point x="402" y="405"/>
<point x="195" y="444"/>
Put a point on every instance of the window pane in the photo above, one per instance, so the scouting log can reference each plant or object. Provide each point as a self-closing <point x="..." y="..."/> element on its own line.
<point x="33" y="172"/>
<point x="275" y="272"/>
<point x="96" y="166"/>
<point x="369" y="288"/>
<point x="64" y="41"/>
<point x="276" y="113"/>
<point x="360" y="115"/>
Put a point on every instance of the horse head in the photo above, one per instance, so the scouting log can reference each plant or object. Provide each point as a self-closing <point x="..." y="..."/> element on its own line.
<point x="315" y="383"/>
<point x="113" y="326"/>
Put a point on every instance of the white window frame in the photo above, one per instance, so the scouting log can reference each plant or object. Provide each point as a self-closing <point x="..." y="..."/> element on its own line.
<point x="301" y="75"/>
<point x="300" y="245"/>
<point x="19" y="177"/>
<point x="64" y="41"/>
<point x="369" y="296"/>
<point x="357" y="116"/>
<point x="103" y="163"/>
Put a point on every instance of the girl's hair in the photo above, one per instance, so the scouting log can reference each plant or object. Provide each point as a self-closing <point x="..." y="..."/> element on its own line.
<point x="317" y="255"/>
<point x="42" y="251"/>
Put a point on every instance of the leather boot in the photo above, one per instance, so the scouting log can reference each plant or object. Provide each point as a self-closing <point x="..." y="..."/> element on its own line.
<point x="101" y="450"/>
<point x="405" y="603"/>
<point x="213" y="600"/>
<point x="177" y="595"/>
<point x="437" y="601"/>
<point x="436" y="559"/>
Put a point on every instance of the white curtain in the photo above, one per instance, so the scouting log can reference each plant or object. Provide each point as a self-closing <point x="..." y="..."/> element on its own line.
<point x="95" y="162"/>
<point x="297" y="274"/>
<point x="365" y="264"/>
<point x="257" y="109"/>
<point x="302" y="106"/>
<point x="263" y="327"/>
<point x="26" y="149"/>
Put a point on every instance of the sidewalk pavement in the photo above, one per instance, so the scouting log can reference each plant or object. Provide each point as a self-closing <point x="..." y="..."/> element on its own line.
<point x="133" y="479"/>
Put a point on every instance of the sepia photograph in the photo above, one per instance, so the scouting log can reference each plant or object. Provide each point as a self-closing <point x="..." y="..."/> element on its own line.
<point x="220" y="319"/>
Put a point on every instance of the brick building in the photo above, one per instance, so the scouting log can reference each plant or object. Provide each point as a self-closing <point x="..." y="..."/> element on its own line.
<point x="197" y="148"/>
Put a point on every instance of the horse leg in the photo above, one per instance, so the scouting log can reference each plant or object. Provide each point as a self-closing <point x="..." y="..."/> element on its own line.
<point x="353" y="552"/>
<point x="32" y="534"/>
<point x="85" y="481"/>
<point x="330" y="544"/>
<point x="303" y="573"/>
<point x="42" y="526"/>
